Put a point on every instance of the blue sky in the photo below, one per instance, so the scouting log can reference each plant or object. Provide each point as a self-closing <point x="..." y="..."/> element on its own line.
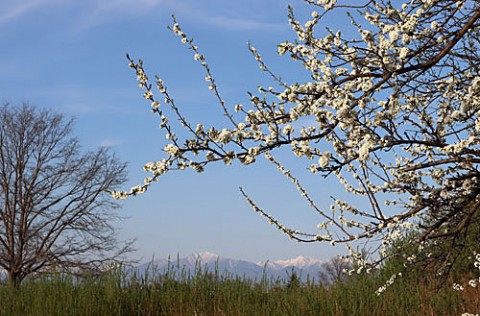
<point x="69" y="55"/>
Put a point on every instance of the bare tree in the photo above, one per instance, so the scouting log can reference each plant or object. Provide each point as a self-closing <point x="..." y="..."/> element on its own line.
<point x="334" y="271"/>
<point x="394" y="97"/>
<point x="54" y="213"/>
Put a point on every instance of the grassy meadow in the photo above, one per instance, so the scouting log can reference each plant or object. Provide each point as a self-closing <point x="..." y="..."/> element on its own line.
<point x="209" y="293"/>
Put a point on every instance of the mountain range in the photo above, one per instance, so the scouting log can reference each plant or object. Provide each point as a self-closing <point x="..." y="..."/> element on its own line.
<point x="303" y="267"/>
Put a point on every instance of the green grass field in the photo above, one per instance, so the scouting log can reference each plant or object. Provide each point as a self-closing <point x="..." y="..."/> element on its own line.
<point x="208" y="293"/>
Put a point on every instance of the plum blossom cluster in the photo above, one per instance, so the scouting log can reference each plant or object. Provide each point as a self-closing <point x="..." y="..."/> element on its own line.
<point x="472" y="282"/>
<point x="389" y="282"/>
<point x="396" y="112"/>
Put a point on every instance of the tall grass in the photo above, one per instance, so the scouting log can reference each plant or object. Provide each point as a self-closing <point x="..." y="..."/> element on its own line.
<point x="211" y="293"/>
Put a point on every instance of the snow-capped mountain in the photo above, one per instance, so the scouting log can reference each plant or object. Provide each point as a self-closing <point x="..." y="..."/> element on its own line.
<point x="300" y="262"/>
<point x="303" y="266"/>
<point x="282" y="269"/>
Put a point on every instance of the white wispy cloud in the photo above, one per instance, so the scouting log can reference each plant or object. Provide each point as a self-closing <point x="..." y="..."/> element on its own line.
<point x="102" y="12"/>
<point x="242" y="24"/>
<point x="92" y="13"/>
<point x="12" y="10"/>
<point x="136" y="6"/>
<point x="231" y="19"/>
<point x="89" y="12"/>
<point x="111" y="142"/>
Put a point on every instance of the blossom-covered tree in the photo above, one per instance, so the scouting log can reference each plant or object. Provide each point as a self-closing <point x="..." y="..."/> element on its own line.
<point x="395" y="105"/>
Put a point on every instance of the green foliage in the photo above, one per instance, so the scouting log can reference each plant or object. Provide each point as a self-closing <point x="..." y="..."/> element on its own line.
<point x="293" y="281"/>
<point x="209" y="293"/>
<point x="451" y="257"/>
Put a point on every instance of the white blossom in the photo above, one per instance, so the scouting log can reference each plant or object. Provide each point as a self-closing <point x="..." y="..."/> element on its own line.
<point x="389" y="109"/>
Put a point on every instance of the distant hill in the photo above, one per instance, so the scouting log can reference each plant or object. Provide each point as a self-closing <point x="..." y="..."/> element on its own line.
<point x="302" y="266"/>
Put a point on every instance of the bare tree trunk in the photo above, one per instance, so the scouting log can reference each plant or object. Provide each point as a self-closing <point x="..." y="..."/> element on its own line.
<point x="14" y="279"/>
